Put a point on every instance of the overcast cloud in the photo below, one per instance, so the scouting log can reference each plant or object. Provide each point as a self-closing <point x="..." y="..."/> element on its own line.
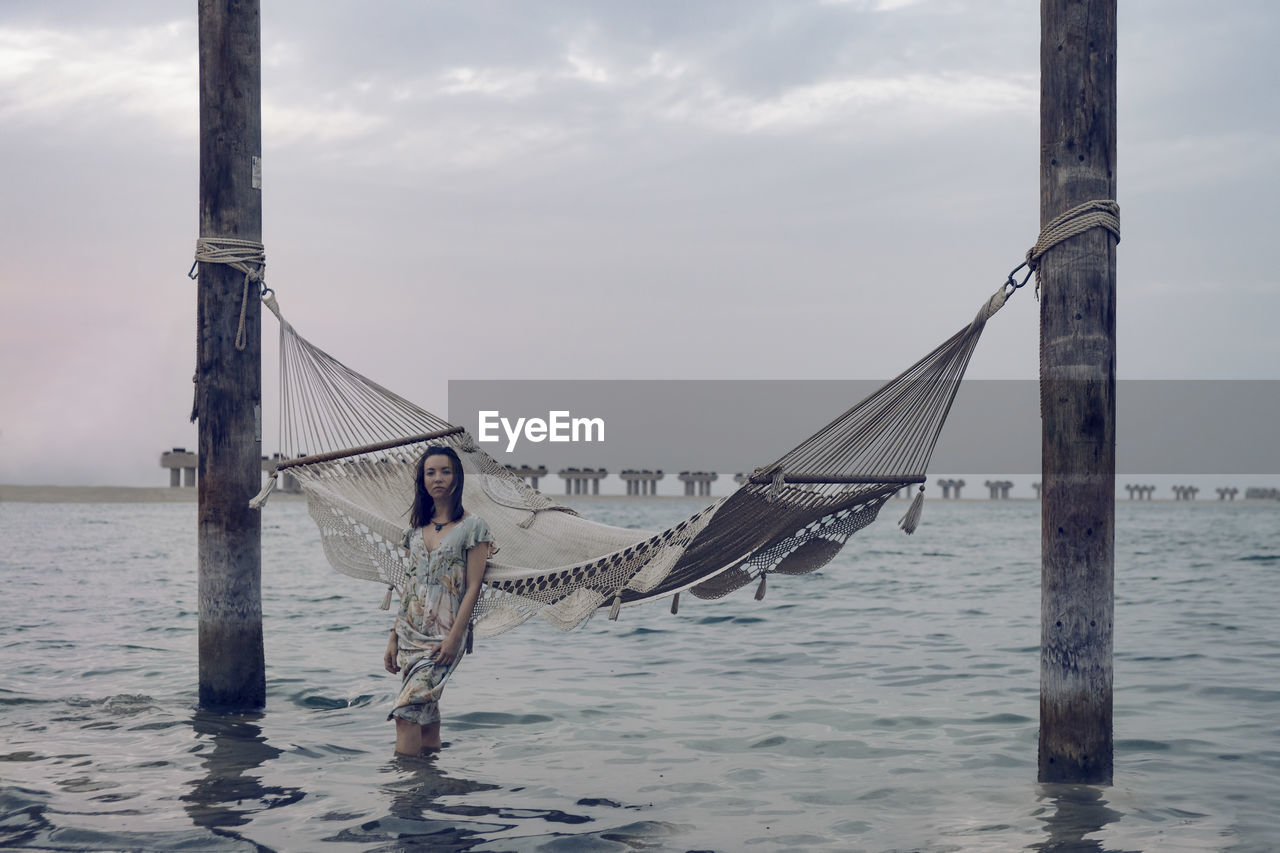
<point x="716" y="190"/>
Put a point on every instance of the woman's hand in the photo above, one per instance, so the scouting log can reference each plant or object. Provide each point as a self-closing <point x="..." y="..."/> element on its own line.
<point x="389" y="657"/>
<point x="447" y="651"/>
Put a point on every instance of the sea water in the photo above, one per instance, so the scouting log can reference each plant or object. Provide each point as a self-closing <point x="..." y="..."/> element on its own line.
<point x="886" y="702"/>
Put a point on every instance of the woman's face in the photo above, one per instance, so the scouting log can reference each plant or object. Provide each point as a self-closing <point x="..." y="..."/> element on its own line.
<point x="437" y="476"/>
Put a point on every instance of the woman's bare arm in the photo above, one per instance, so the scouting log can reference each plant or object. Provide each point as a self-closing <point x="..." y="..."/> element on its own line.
<point x="477" y="560"/>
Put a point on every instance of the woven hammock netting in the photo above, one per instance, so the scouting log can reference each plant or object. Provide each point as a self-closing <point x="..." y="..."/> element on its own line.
<point x="362" y="441"/>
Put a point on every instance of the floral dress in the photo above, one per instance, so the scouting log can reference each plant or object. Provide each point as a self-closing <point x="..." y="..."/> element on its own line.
<point x="433" y="591"/>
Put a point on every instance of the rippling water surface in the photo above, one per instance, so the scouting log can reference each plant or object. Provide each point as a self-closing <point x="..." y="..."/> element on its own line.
<point x="888" y="702"/>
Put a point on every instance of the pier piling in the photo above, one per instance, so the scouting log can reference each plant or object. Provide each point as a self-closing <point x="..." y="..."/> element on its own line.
<point x="229" y="379"/>
<point x="1077" y="380"/>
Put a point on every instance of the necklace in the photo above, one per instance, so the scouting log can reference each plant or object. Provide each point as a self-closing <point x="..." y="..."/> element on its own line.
<point x="439" y="525"/>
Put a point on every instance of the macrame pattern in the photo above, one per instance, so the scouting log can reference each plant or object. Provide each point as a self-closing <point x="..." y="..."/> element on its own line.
<point x="358" y="443"/>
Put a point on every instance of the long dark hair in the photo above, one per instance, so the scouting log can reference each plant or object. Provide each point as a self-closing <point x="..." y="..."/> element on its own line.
<point x="424" y="508"/>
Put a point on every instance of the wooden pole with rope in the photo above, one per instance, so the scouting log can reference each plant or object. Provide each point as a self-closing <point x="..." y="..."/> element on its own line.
<point x="1077" y="282"/>
<point x="229" y="361"/>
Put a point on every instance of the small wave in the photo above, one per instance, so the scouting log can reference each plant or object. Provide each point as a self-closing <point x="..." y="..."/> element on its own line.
<point x="601" y="801"/>
<point x="641" y="835"/>
<point x="1249" y="694"/>
<point x="107" y="670"/>
<point x="315" y="702"/>
<point x="85" y="785"/>
<point x="549" y="815"/>
<point x="923" y="679"/>
<point x="1003" y="719"/>
<point x="904" y="722"/>
<point x="485" y="719"/>
<point x="159" y="725"/>
<point x="1159" y="658"/>
<point x="1260" y="558"/>
<point x="414" y="833"/>
<point x="740" y="620"/>
<point x="122" y="704"/>
<point x="1141" y="745"/>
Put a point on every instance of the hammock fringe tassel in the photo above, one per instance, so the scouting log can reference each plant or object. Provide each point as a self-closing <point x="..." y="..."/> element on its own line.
<point x="260" y="499"/>
<point x="760" y="590"/>
<point x="617" y="606"/>
<point x="386" y="600"/>
<point x="911" y="520"/>
<point x="675" y="604"/>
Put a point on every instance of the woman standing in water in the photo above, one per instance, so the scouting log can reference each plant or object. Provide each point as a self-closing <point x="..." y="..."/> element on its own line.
<point x="448" y="550"/>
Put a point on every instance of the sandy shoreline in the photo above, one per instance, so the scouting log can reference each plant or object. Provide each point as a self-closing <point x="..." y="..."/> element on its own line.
<point x="164" y="494"/>
<point x="108" y="494"/>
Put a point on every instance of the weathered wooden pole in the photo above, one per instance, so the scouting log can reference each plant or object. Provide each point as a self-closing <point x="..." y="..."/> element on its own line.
<point x="1077" y="378"/>
<point x="228" y="378"/>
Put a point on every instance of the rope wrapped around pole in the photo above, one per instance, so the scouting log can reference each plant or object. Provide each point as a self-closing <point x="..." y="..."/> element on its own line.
<point x="1096" y="213"/>
<point x="246" y="256"/>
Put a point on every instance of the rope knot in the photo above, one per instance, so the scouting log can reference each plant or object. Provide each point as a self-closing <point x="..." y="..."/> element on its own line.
<point x="246" y="256"/>
<point x="1097" y="213"/>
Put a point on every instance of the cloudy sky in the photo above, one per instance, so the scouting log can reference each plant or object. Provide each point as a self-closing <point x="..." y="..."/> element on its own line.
<point x="800" y="189"/>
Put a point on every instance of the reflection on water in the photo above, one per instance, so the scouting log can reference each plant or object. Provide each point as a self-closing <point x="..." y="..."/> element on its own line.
<point x="426" y="806"/>
<point x="416" y="818"/>
<point x="22" y="815"/>
<point x="1074" y="811"/>
<point x="230" y="794"/>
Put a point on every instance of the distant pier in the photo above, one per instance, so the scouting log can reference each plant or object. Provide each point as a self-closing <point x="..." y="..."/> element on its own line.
<point x="582" y="481"/>
<point x="999" y="489"/>
<point x="699" y="480"/>
<point x="530" y="474"/>
<point x="180" y="462"/>
<point x="183" y="464"/>
<point x="643" y="482"/>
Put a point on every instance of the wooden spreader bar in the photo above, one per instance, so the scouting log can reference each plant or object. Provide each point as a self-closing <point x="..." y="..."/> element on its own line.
<point x="842" y="479"/>
<point x="368" y="448"/>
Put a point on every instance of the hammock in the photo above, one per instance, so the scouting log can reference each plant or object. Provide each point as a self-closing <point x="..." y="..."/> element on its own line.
<point x="791" y="517"/>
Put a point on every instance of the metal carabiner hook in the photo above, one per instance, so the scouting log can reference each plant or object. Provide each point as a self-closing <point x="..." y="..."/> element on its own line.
<point x="1011" y="283"/>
